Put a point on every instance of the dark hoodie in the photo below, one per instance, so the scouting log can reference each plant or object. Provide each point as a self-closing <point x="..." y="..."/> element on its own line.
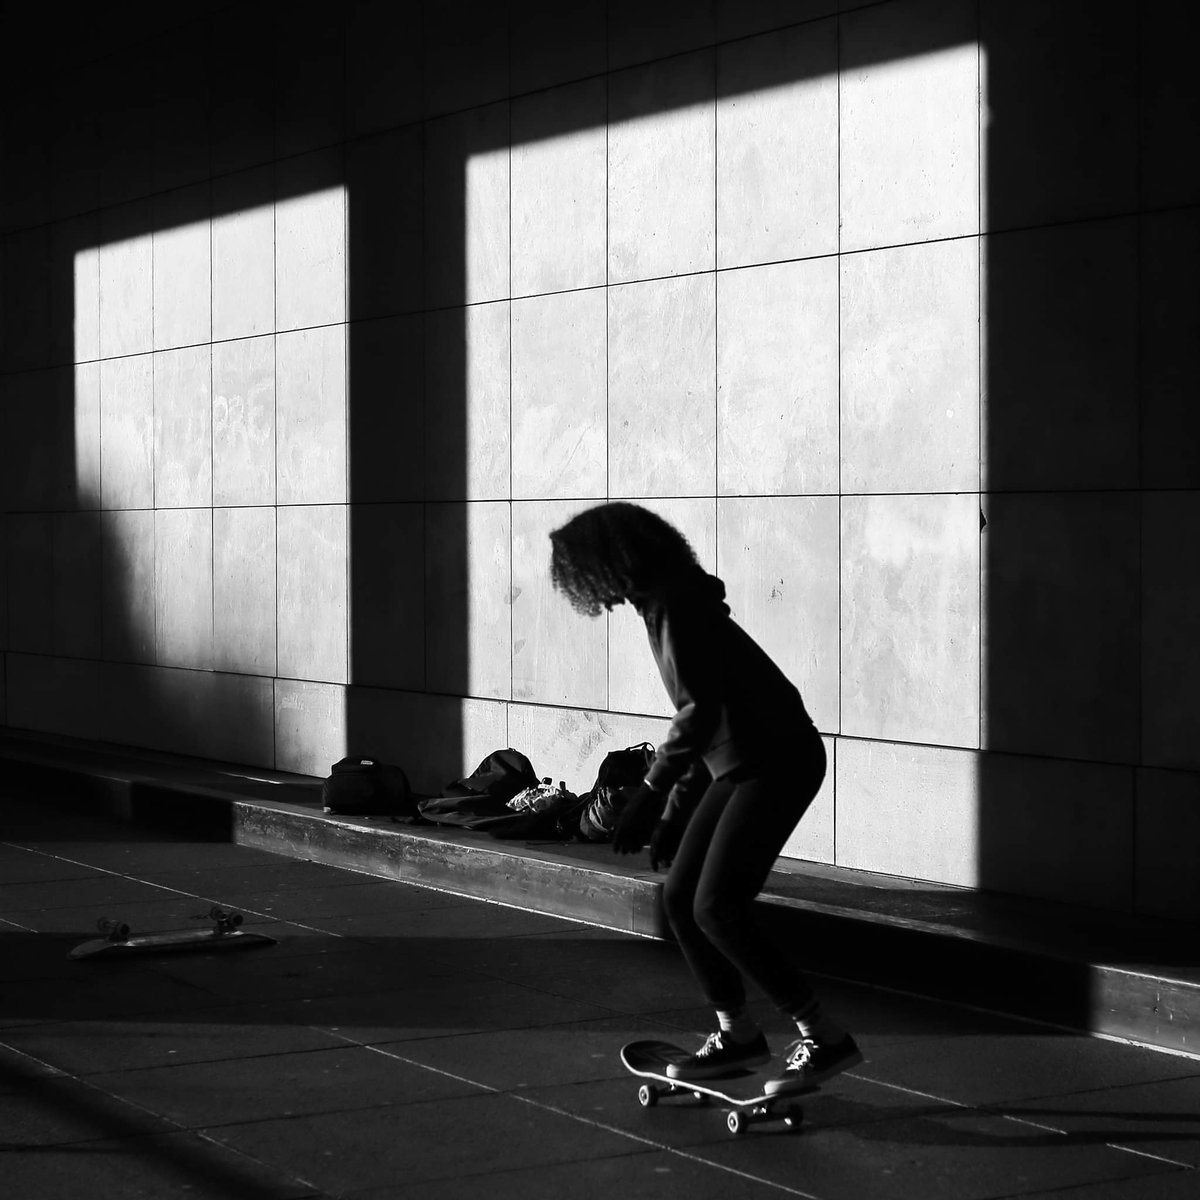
<point x="735" y="708"/>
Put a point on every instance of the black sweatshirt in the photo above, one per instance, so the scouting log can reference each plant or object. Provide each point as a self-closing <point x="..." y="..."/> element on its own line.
<point x="735" y="708"/>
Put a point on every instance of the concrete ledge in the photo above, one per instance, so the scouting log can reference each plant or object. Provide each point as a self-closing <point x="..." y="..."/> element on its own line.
<point x="1080" y="969"/>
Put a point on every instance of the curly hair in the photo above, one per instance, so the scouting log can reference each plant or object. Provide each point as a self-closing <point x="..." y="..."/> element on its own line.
<point x="607" y="554"/>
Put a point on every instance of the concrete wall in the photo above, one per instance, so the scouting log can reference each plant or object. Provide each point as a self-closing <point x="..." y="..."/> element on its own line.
<point x="315" y="325"/>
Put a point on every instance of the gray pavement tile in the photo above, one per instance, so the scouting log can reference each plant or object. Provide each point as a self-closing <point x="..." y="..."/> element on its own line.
<point x="897" y="1016"/>
<point x="439" y="1139"/>
<point x="533" y="1058"/>
<point x="100" y="891"/>
<point x="237" y="1090"/>
<point x="19" y="865"/>
<point x="52" y="1110"/>
<point x="228" y="879"/>
<point x="680" y="1121"/>
<point x="195" y="1035"/>
<point x="1160" y="1118"/>
<point x="265" y="975"/>
<point x="471" y="921"/>
<point x="621" y="971"/>
<point x="876" y="1018"/>
<point x="18" y="1070"/>
<point x="49" y="828"/>
<point x="95" y="990"/>
<point x="447" y="1006"/>
<point x="611" y="1101"/>
<point x="376" y="898"/>
<point x="986" y="1069"/>
<point x="1182" y="1184"/>
<point x="129" y="850"/>
<point x="27" y="955"/>
<point x="959" y="1153"/>
<point x="295" y="941"/>
<point x="179" y="1164"/>
<point x="653" y="1175"/>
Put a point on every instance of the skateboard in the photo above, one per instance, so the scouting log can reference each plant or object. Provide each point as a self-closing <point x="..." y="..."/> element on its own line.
<point x="742" y="1093"/>
<point x="119" y="942"/>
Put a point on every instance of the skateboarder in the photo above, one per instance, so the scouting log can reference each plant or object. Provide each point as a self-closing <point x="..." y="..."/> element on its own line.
<point x="740" y="765"/>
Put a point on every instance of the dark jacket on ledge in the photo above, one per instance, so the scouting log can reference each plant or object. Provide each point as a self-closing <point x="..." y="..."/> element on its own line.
<point x="736" y="710"/>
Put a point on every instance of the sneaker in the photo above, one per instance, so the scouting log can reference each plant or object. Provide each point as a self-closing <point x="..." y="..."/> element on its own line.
<point x="808" y="1063"/>
<point x="721" y="1055"/>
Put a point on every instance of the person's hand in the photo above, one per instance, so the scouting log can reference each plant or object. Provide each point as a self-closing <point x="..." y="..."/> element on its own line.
<point x="664" y="841"/>
<point x="637" y="819"/>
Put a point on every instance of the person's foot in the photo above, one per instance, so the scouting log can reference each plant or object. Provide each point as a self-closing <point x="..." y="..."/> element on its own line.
<point x="720" y="1056"/>
<point x="808" y="1063"/>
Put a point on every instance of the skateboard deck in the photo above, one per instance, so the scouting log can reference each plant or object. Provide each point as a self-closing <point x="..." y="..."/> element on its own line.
<point x="120" y="942"/>
<point x="743" y="1094"/>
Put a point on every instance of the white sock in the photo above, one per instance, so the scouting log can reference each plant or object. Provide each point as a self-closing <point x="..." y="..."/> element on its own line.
<point x="816" y="1025"/>
<point x="739" y="1024"/>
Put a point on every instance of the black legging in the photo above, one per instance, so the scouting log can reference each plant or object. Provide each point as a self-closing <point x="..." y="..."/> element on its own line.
<point x="730" y="844"/>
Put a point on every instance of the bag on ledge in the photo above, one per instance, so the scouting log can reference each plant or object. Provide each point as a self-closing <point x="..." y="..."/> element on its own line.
<point x="602" y="806"/>
<point x="481" y="799"/>
<point x="543" y="811"/>
<point x="365" y="787"/>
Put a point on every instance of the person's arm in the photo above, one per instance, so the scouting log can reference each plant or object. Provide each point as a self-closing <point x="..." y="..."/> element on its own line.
<point x="685" y="795"/>
<point x="689" y="652"/>
<point x="682" y="803"/>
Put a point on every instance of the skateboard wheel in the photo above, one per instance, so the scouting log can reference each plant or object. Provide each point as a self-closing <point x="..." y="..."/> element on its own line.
<point x="793" y="1117"/>
<point x="736" y="1122"/>
<point x="701" y="1098"/>
<point x="647" y="1096"/>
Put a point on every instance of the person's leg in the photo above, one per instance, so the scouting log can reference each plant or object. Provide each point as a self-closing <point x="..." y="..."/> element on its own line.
<point x="756" y="821"/>
<point x="732" y="842"/>
<point x="717" y="977"/>
<point x="739" y="1043"/>
<point x="758" y="817"/>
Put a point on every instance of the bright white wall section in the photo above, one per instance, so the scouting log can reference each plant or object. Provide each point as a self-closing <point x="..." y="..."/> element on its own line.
<point x="199" y="576"/>
<point x="687" y="328"/>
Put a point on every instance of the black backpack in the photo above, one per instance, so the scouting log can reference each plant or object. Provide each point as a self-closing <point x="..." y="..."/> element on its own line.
<point x="365" y="787"/>
<point x="481" y="799"/>
<point x="604" y="803"/>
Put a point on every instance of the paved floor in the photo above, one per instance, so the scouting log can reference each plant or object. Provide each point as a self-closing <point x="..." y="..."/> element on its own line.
<point x="404" y="1043"/>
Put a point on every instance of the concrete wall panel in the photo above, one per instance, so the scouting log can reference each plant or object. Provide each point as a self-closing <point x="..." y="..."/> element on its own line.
<point x="661" y="411"/>
<point x="183" y="419"/>
<point x="910" y="618"/>
<point x="661" y="157"/>
<point x="779" y="556"/>
<point x="909" y="123"/>
<point x="777" y="379"/>
<point x="777" y="161"/>
<point x="559" y="396"/>
<point x="559" y="169"/>
<point x="468" y="598"/>
<point x="558" y="657"/>
<point x="243" y="596"/>
<point x="910" y="369"/>
<point x="243" y="421"/>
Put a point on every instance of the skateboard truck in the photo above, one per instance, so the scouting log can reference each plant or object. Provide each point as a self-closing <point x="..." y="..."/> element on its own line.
<point x="118" y="940"/>
<point x="226" y="922"/>
<point x="737" y="1119"/>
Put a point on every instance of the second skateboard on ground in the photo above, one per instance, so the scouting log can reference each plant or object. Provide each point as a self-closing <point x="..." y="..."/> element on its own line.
<point x="119" y="941"/>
